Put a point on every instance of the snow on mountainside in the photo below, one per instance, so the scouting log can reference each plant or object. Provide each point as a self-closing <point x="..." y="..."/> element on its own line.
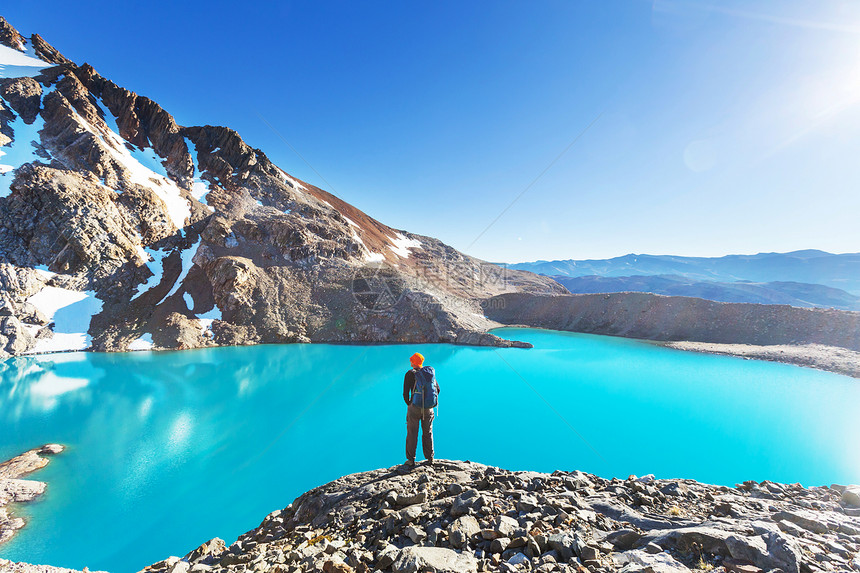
<point x="121" y="229"/>
<point x="15" y="64"/>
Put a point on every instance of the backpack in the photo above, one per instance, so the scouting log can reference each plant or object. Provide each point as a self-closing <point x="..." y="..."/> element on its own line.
<point x="425" y="392"/>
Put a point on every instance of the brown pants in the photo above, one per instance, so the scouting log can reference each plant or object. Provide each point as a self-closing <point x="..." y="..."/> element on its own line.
<point x="414" y="416"/>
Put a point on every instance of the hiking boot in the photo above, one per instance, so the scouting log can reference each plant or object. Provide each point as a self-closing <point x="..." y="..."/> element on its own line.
<point x="429" y="462"/>
<point x="409" y="463"/>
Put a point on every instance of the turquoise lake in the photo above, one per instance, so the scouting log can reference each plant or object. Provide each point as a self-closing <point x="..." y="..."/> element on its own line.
<point x="169" y="449"/>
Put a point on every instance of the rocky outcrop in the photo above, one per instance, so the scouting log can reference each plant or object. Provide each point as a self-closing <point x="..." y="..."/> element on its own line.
<point x="821" y="338"/>
<point x="9" y="36"/>
<point x="657" y="317"/>
<point x="14" y="489"/>
<point x="464" y="517"/>
<point x="188" y="237"/>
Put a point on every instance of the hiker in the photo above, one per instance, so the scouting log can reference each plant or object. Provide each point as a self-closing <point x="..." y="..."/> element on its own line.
<point x="421" y="393"/>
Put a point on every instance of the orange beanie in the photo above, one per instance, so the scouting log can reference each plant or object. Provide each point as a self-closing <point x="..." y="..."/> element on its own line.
<point x="416" y="360"/>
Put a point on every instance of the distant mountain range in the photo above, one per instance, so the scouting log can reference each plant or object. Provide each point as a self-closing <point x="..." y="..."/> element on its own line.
<point x="807" y="278"/>
<point x="791" y="293"/>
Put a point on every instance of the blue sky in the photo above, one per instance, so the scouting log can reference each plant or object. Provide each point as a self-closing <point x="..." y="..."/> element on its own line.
<point x="716" y="127"/>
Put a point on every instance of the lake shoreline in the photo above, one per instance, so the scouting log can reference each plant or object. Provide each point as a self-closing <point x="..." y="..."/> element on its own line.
<point x="817" y="356"/>
<point x="835" y="359"/>
<point x="824" y="339"/>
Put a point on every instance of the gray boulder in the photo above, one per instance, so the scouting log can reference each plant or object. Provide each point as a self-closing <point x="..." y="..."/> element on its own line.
<point x="564" y="544"/>
<point x="623" y="539"/>
<point x="463" y="528"/>
<point x="499" y="544"/>
<point x="638" y="561"/>
<point x="784" y="552"/>
<point x="464" y="502"/>
<point x="527" y="503"/>
<point x="770" y="551"/>
<point x="211" y="548"/>
<point x="805" y="519"/>
<point x="438" y="559"/>
<point x="620" y="512"/>
<point x="851" y="495"/>
<point x="403" y="500"/>
<point x="416" y="534"/>
<point x="505" y="526"/>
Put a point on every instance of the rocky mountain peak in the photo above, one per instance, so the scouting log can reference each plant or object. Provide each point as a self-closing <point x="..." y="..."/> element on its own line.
<point x="35" y="45"/>
<point x="122" y="229"/>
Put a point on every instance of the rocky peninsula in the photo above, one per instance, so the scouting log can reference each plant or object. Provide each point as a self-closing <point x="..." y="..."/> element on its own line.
<point x="13" y="489"/>
<point x="826" y="339"/>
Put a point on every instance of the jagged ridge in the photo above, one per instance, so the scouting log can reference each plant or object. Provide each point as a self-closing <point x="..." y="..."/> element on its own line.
<point x="147" y="233"/>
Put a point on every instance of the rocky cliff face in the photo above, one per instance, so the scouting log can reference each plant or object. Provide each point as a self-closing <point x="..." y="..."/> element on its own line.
<point x="466" y="517"/>
<point x="670" y="318"/>
<point x="121" y="229"/>
<point x="825" y="339"/>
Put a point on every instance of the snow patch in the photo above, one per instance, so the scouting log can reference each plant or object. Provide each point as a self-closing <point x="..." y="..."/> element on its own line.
<point x="206" y="320"/>
<point x="143" y="167"/>
<point x="43" y="270"/>
<point x="402" y="244"/>
<point x="142" y="343"/>
<point x="199" y="188"/>
<point x="289" y="180"/>
<point x="370" y="256"/>
<point x="33" y="329"/>
<point x="14" y="64"/>
<point x="71" y="312"/>
<point x="21" y="150"/>
<point x="156" y="267"/>
<point x="51" y="299"/>
<point x="187" y="256"/>
<point x="149" y="159"/>
<point x="29" y="50"/>
<point x="141" y="253"/>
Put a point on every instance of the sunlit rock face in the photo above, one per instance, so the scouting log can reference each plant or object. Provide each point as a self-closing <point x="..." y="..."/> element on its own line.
<point x="121" y="229"/>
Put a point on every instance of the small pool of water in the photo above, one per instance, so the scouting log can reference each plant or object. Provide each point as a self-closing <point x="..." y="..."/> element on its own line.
<point x="169" y="449"/>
